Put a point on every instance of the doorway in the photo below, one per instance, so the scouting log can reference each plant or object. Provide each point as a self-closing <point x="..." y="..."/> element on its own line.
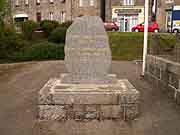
<point x="126" y="22"/>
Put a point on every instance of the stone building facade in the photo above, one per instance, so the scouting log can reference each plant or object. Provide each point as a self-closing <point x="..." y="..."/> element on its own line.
<point x="38" y="10"/>
<point x="92" y="7"/>
<point x="59" y="10"/>
<point x="125" y="13"/>
<point x="164" y="13"/>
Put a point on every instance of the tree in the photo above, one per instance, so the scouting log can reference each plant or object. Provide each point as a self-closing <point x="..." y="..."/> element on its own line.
<point x="2" y="9"/>
<point x="2" y="14"/>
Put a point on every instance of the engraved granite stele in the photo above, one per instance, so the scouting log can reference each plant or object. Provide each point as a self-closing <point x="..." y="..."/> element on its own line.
<point x="87" y="91"/>
<point x="87" y="52"/>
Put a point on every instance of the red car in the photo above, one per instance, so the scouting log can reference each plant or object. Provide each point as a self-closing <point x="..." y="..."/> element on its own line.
<point x="111" y="26"/>
<point x="153" y="27"/>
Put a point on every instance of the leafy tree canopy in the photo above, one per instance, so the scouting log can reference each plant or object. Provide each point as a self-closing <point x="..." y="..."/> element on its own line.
<point x="2" y="8"/>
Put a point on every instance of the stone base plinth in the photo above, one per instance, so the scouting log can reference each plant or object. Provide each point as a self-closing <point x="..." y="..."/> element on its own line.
<point x="94" y="127"/>
<point x="61" y="102"/>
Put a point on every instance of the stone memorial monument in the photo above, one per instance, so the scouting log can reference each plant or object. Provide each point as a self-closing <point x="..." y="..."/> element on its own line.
<point x="87" y="92"/>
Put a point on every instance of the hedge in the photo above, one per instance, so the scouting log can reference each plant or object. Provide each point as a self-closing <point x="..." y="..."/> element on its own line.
<point x="11" y="42"/>
<point x="124" y="46"/>
<point x="48" y="26"/>
<point x="129" y="45"/>
<point x="40" y="51"/>
<point x="58" y="35"/>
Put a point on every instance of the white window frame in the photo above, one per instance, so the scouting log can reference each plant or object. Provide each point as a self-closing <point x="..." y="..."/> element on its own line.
<point x="63" y="16"/>
<point x="81" y="3"/>
<point x="38" y="1"/>
<point x="26" y="2"/>
<point x="17" y="2"/>
<point x="91" y="2"/>
<point x="51" y="1"/>
<point x="128" y="2"/>
<point x="51" y="16"/>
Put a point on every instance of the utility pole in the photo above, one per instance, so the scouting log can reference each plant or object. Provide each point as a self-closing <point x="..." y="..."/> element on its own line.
<point x="172" y="11"/>
<point x="154" y="10"/>
<point x="146" y="8"/>
<point x="103" y="9"/>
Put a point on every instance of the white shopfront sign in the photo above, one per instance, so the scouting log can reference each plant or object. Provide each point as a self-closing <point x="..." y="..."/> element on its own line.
<point x="126" y="18"/>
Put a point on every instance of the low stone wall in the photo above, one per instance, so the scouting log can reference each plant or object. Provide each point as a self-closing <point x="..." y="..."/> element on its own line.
<point x="164" y="74"/>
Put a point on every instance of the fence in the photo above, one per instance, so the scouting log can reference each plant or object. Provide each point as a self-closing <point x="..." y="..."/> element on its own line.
<point x="163" y="66"/>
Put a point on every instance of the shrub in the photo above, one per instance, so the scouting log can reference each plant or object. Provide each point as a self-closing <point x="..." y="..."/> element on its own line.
<point x="1" y="28"/>
<point x="6" y="28"/>
<point x="9" y="29"/>
<point x="167" y="40"/>
<point x="40" y="51"/>
<point x="48" y="26"/>
<point x="66" y="24"/>
<point x="58" y="35"/>
<point x="28" y="27"/>
<point x="10" y="43"/>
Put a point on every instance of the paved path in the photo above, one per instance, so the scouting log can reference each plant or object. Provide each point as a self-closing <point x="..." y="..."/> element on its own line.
<point x="19" y="84"/>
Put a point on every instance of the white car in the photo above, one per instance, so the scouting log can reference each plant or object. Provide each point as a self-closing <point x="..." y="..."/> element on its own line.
<point x="175" y="28"/>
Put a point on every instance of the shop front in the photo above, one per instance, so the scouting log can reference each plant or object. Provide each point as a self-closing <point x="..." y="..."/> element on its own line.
<point x="126" y="18"/>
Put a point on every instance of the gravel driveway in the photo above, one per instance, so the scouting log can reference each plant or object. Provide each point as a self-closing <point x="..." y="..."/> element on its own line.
<point x="20" y="83"/>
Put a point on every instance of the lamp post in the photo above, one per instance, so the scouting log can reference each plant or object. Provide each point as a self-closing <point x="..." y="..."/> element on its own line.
<point x="146" y="7"/>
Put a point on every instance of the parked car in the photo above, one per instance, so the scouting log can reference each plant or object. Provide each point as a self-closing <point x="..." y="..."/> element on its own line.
<point x="153" y="27"/>
<point x="175" y="28"/>
<point x="111" y="26"/>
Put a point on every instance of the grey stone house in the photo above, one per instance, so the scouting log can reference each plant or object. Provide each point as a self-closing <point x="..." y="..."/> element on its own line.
<point x="59" y="10"/>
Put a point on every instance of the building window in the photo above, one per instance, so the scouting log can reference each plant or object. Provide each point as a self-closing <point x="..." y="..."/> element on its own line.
<point x="17" y="3"/>
<point x="51" y="1"/>
<point x="62" y="1"/>
<point x="86" y="3"/>
<point x="63" y="16"/>
<point x="81" y="3"/>
<point x="38" y="2"/>
<point x="128" y="2"/>
<point x="91" y="2"/>
<point x="51" y="16"/>
<point x="38" y="16"/>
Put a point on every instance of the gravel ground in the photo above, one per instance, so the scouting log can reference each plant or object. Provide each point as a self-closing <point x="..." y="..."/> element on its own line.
<point x="20" y="83"/>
